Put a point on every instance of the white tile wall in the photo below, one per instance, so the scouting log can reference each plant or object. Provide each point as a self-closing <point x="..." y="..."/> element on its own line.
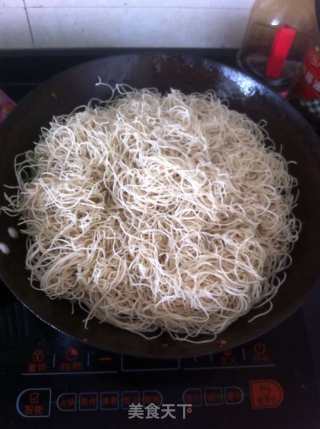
<point x="14" y="30"/>
<point x="136" y="27"/>
<point x="221" y="4"/>
<point x="122" y="23"/>
<point x="11" y="3"/>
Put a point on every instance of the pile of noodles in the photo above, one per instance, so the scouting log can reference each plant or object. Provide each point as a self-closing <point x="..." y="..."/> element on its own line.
<point x="157" y="213"/>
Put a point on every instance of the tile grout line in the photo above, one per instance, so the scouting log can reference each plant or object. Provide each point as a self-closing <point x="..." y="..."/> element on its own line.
<point x="29" y="23"/>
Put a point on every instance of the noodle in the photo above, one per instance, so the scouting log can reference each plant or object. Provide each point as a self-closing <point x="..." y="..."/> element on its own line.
<point x="157" y="213"/>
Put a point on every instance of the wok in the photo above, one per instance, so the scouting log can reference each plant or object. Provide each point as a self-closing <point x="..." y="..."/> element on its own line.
<point x="189" y="73"/>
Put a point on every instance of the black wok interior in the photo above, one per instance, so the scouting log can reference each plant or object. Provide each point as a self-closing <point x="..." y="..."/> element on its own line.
<point x="189" y="73"/>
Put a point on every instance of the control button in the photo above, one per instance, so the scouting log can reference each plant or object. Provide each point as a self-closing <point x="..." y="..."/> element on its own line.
<point x="213" y="396"/>
<point x="233" y="395"/>
<point x="67" y="402"/>
<point x="151" y="397"/>
<point x="265" y="394"/>
<point x="130" y="397"/>
<point x="103" y="361"/>
<point x="38" y="356"/>
<point x="38" y="361"/>
<point x="133" y="364"/>
<point x="109" y="401"/>
<point x="88" y="401"/>
<point x="192" y="396"/>
<point x="261" y="353"/>
<point x="69" y="359"/>
<point x="35" y="403"/>
<point x="72" y="354"/>
<point x="227" y="358"/>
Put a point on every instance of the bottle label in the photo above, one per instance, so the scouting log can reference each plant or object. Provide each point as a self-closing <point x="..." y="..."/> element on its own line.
<point x="309" y="85"/>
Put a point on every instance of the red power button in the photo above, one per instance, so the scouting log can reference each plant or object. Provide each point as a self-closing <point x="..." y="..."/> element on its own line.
<point x="265" y="394"/>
